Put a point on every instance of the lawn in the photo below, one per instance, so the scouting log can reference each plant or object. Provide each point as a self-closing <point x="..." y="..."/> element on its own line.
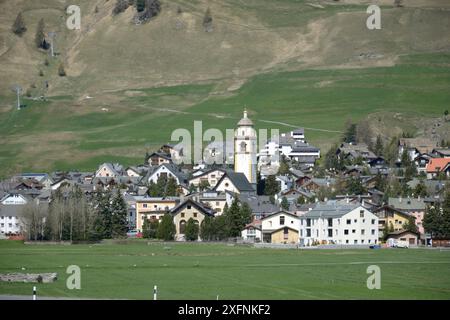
<point x="203" y="271"/>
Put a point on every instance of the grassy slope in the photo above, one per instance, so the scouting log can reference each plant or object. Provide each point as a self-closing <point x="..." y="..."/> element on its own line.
<point x="289" y="62"/>
<point x="189" y="271"/>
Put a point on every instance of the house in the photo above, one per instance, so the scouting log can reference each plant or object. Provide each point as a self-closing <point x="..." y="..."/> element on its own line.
<point x="335" y="222"/>
<point x="316" y="183"/>
<point x="438" y="166"/>
<point x="441" y="153"/>
<point x="412" y="238"/>
<point x="415" y="207"/>
<point x="43" y="178"/>
<point x="284" y="181"/>
<point x="186" y="210"/>
<point x="252" y="232"/>
<point x="110" y="170"/>
<point x="13" y="219"/>
<point x="261" y="206"/>
<point x="280" y="227"/>
<point x="353" y="151"/>
<point x="415" y="146"/>
<point x="235" y="182"/>
<point x="377" y="162"/>
<point x="158" y="158"/>
<point x="208" y="178"/>
<point x="390" y="217"/>
<point x="152" y="208"/>
<point x="168" y="170"/>
<point x="13" y="199"/>
<point x="212" y="199"/>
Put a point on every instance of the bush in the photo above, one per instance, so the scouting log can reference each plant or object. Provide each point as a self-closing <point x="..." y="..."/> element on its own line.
<point x="19" y="27"/>
<point x="192" y="230"/>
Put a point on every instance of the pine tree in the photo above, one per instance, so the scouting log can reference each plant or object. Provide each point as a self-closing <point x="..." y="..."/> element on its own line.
<point x="19" y="27"/>
<point x="378" y="150"/>
<point x="192" y="230"/>
<point x="171" y="188"/>
<point x="40" y="41"/>
<point x="272" y="187"/>
<point x="166" y="229"/>
<point x="207" y="230"/>
<point x="285" y="204"/>
<point x="119" y="216"/>
<point x="284" y="166"/>
<point x="234" y="219"/>
<point x="103" y="222"/>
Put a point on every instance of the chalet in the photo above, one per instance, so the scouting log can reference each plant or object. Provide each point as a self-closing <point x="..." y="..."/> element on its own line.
<point x="337" y="223"/>
<point x="252" y="232"/>
<point x="208" y="178"/>
<point x="316" y="183"/>
<point x="168" y="170"/>
<point x="110" y="170"/>
<point x="353" y="151"/>
<point x="280" y="227"/>
<point x="377" y="162"/>
<point x="186" y="210"/>
<point x="438" y="166"/>
<point x="43" y="178"/>
<point x="158" y="158"/>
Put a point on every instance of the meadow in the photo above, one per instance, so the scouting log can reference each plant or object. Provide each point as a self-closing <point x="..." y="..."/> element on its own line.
<point x="205" y="271"/>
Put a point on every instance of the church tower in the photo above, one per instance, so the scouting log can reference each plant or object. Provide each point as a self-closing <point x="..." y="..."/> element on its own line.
<point x="245" y="148"/>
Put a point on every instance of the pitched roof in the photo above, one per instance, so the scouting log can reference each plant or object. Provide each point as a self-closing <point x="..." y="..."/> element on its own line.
<point x="238" y="179"/>
<point x="258" y="204"/>
<point x="198" y="205"/>
<point x="280" y="212"/>
<point x="438" y="164"/>
<point x="407" y="203"/>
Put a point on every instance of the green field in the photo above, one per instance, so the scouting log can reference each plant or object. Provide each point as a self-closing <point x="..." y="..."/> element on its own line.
<point x="203" y="271"/>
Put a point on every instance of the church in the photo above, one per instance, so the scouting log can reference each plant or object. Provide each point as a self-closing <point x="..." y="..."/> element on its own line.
<point x="245" y="149"/>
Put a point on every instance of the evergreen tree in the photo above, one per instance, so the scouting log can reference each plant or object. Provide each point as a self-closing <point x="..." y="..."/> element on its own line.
<point x="119" y="216"/>
<point x="411" y="225"/>
<point x="350" y="132"/>
<point x="166" y="229"/>
<point x="420" y="190"/>
<point x="39" y="39"/>
<point x="207" y="20"/>
<point x="272" y="187"/>
<point x="260" y="184"/>
<point x="378" y="149"/>
<point x="19" y="27"/>
<point x="171" y="188"/>
<point x="140" y="5"/>
<point x="284" y="166"/>
<point x="220" y="227"/>
<point x="246" y="215"/>
<point x="103" y="227"/>
<point x="355" y="186"/>
<point x="204" y="185"/>
<point x="207" y="229"/>
<point x="234" y="219"/>
<point x="285" y="204"/>
<point x="192" y="230"/>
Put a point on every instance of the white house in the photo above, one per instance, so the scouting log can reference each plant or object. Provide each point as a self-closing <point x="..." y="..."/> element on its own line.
<point x="252" y="232"/>
<point x="280" y="227"/>
<point x="335" y="222"/>
<point x="168" y="170"/>
<point x="13" y="199"/>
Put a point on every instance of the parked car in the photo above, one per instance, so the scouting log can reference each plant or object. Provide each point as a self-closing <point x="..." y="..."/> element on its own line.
<point x="134" y="234"/>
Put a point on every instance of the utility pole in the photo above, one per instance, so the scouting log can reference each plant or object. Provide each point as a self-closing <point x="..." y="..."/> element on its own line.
<point x="17" y="89"/>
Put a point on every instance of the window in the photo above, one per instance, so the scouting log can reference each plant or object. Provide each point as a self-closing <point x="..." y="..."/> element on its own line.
<point x="363" y="232"/>
<point x="373" y="221"/>
<point x="330" y="233"/>
<point x="362" y="241"/>
<point x="349" y="221"/>
<point x="353" y="231"/>
<point x="308" y="232"/>
<point x="330" y="222"/>
<point x="355" y="241"/>
<point x="355" y="221"/>
<point x="144" y="205"/>
<point x="195" y="214"/>
<point x="346" y="241"/>
<point x="182" y="214"/>
<point x="189" y="206"/>
<point x="373" y="232"/>
<point x="361" y="213"/>
<point x="346" y="231"/>
<point x="308" y="222"/>
<point x="282" y="220"/>
<point x="286" y="233"/>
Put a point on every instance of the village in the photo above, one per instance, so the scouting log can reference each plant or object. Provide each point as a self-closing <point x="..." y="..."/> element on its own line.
<point x="286" y="193"/>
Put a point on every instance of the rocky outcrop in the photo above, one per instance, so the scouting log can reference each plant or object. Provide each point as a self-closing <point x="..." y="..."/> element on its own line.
<point x="29" y="277"/>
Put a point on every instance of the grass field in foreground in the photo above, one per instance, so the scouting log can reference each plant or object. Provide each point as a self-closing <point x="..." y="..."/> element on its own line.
<point x="203" y="271"/>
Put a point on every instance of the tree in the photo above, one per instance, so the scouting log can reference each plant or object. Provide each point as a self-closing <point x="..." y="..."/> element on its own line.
<point x="119" y="212"/>
<point x="61" y="70"/>
<point x="208" y="20"/>
<point x="420" y="190"/>
<point x="39" y="39"/>
<point x="285" y="204"/>
<point x="171" y="188"/>
<point x="272" y="187"/>
<point x="398" y="3"/>
<point x="204" y="185"/>
<point x="234" y="219"/>
<point x="355" y="186"/>
<point x="246" y="214"/>
<point x="192" y="230"/>
<point x="437" y="219"/>
<point x="284" y="166"/>
<point x="103" y="223"/>
<point x="391" y="151"/>
<point x="140" y="5"/>
<point x="19" y="27"/>
<point x="387" y="230"/>
<point x="410" y="225"/>
<point x="350" y="132"/>
<point x="260" y="184"/>
<point x="378" y="149"/>
<point x="207" y="229"/>
<point x="166" y="229"/>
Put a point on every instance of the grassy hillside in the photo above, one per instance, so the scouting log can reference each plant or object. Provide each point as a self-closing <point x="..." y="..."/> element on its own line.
<point x="291" y="62"/>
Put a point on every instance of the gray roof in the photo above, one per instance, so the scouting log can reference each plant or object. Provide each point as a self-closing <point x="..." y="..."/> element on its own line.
<point x="432" y="186"/>
<point x="239" y="180"/>
<point x="406" y="204"/>
<point x="18" y="210"/>
<point x="259" y="204"/>
<point x="330" y="209"/>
